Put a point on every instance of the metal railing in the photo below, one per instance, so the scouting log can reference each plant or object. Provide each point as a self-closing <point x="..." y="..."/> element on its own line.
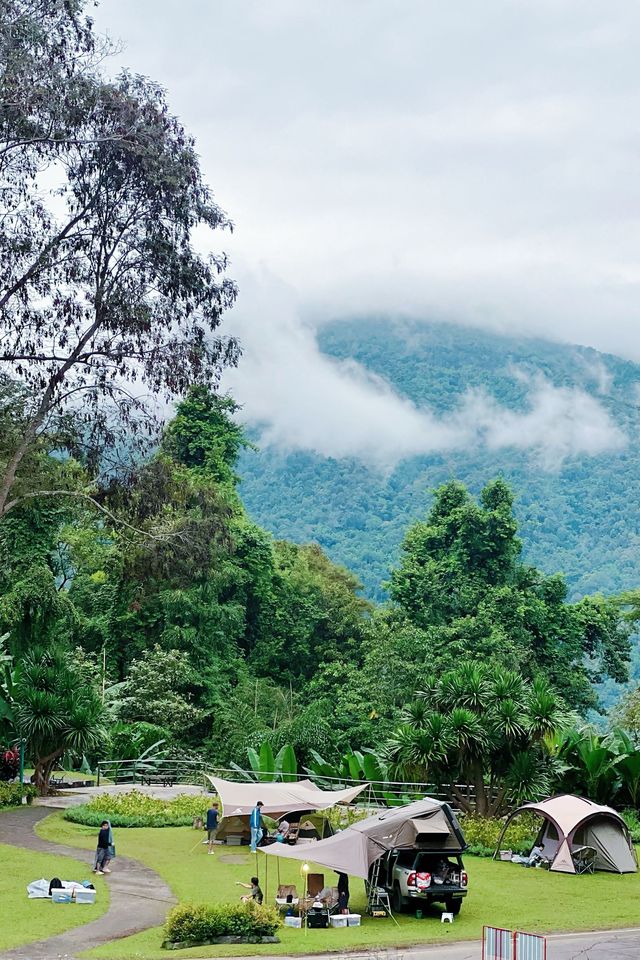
<point x="378" y="793"/>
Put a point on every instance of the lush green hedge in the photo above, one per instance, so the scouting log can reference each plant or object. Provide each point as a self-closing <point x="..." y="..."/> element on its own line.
<point x="633" y="822"/>
<point x="136" y="809"/>
<point x="482" y="834"/>
<point x="11" y="794"/>
<point x="198" y="922"/>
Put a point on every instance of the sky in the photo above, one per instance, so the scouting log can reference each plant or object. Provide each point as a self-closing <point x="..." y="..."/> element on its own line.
<point x="473" y="162"/>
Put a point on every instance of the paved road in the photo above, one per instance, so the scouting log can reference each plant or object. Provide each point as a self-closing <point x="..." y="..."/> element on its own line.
<point x="609" y="945"/>
<point x="139" y="898"/>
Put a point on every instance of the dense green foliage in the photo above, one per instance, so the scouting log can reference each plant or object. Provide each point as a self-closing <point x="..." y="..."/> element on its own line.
<point x="136" y="809"/>
<point x="578" y="518"/>
<point x="11" y="794"/>
<point x="202" y="922"/>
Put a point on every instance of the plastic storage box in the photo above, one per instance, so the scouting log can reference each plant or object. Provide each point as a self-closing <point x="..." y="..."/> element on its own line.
<point x="338" y="920"/>
<point x="293" y="922"/>
<point x="353" y="919"/>
<point x="60" y="896"/>
<point x="85" y="896"/>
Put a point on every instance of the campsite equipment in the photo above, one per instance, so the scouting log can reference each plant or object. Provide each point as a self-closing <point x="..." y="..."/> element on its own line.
<point x="85" y="896"/>
<point x="426" y="824"/>
<point x="338" y="920"/>
<point x="239" y="799"/>
<point x="59" y="895"/>
<point x="293" y="922"/>
<point x="579" y="836"/>
<point x="317" y="917"/>
<point x="353" y="919"/>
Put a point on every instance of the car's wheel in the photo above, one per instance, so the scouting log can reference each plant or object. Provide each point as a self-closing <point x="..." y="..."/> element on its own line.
<point x="397" y="900"/>
<point x="454" y="906"/>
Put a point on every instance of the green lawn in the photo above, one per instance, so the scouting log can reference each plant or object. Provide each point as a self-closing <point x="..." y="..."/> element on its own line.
<point x="501" y="894"/>
<point x="28" y="920"/>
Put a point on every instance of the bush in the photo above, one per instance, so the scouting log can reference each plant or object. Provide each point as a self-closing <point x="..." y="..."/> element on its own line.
<point x="633" y="822"/>
<point x="482" y="834"/>
<point x="201" y="922"/>
<point x="136" y="809"/>
<point x="11" y="794"/>
<point x="9" y="764"/>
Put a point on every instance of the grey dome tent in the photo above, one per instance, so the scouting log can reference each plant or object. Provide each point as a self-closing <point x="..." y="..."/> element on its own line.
<point x="572" y="823"/>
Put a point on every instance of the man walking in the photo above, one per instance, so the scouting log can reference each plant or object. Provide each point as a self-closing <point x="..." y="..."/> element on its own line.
<point x="255" y="822"/>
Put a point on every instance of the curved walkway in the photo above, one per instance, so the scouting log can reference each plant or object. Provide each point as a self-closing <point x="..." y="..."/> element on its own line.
<point x="139" y="897"/>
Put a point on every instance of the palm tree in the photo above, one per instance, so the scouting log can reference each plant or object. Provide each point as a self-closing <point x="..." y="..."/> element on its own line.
<point x="482" y="731"/>
<point x="55" y="711"/>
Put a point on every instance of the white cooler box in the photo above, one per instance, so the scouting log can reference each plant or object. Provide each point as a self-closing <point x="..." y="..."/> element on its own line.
<point x="85" y="896"/>
<point x="293" y="922"/>
<point x="60" y="896"/>
<point x="353" y="919"/>
<point x="338" y="920"/>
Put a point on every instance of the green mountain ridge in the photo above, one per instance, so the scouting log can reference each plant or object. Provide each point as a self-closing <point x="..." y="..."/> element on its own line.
<point x="580" y="519"/>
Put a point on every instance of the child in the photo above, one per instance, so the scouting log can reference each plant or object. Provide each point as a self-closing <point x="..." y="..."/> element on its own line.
<point x="254" y="886"/>
<point x="103" y="852"/>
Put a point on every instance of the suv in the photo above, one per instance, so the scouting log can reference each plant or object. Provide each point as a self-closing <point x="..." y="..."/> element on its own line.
<point x="416" y="877"/>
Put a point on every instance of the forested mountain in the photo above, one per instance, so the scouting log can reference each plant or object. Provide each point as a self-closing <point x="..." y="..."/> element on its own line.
<point x="581" y="518"/>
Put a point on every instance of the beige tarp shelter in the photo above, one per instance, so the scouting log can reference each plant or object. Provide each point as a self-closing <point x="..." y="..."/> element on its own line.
<point x="239" y="799"/>
<point x="573" y="822"/>
<point x="425" y="824"/>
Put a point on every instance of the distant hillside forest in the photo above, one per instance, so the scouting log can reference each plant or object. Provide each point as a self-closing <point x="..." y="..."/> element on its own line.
<point x="582" y="520"/>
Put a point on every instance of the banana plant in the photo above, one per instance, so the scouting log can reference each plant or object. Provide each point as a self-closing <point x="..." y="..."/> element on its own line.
<point x="265" y="767"/>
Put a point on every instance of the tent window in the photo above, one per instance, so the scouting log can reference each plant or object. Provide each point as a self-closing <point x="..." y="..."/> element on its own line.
<point x="552" y="833"/>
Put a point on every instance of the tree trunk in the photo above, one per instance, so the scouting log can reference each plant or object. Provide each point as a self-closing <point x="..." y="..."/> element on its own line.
<point x="482" y="799"/>
<point x="42" y="773"/>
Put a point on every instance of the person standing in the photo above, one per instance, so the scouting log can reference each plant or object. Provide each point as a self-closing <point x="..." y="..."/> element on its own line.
<point x="212" y="824"/>
<point x="103" y="851"/>
<point x="255" y="822"/>
<point x="343" y="893"/>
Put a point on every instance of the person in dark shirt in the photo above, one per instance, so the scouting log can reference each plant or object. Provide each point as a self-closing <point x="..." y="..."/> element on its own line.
<point x="103" y="852"/>
<point x="254" y="886"/>
<point x="343" y="892"/>
<point x="212" y="824"/>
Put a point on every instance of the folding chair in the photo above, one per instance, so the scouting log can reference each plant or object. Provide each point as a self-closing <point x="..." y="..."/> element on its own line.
<point x="584" y="859"/>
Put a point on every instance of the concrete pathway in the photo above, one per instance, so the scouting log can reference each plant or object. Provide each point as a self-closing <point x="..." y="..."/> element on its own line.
<point x="139" y="898"/>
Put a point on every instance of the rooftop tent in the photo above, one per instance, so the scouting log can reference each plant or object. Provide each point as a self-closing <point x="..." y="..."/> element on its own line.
<point x="573" y="822"/>
<point x="424" y="824"/>
<point x="239" y="799"/>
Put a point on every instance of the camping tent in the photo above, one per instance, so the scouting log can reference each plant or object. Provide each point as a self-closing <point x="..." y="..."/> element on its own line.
<point x="424" y="824"/>
<point x="298" y="802"/>
<point x="313" y="826"/>
<point x="239" y="799"/>
<point x="572" y="822"/>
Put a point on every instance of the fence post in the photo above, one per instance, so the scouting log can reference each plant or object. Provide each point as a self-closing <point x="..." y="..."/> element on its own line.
<point x="98" y="777"/>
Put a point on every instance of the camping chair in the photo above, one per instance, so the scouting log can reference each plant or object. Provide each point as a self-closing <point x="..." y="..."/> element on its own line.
<point x="292" y="835"/>
<point x="584" y="859"/>
<point x="287" y="890"/>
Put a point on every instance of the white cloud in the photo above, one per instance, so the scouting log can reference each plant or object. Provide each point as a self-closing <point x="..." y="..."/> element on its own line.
<point x="304" y="400"/>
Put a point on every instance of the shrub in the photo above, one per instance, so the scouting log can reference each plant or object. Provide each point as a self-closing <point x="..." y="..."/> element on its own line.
<point x="633" y="822"/>
<point x="136" y="809"/>
<point x="200" y="922"/>
<point x="11" y="794"/>
<point x="482" y="834"/>
<point x="9" y="764"/>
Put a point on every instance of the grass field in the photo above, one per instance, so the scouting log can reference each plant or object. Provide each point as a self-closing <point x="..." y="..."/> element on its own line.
<point x="24" y="920"/>
<point x="500" y="894"/>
